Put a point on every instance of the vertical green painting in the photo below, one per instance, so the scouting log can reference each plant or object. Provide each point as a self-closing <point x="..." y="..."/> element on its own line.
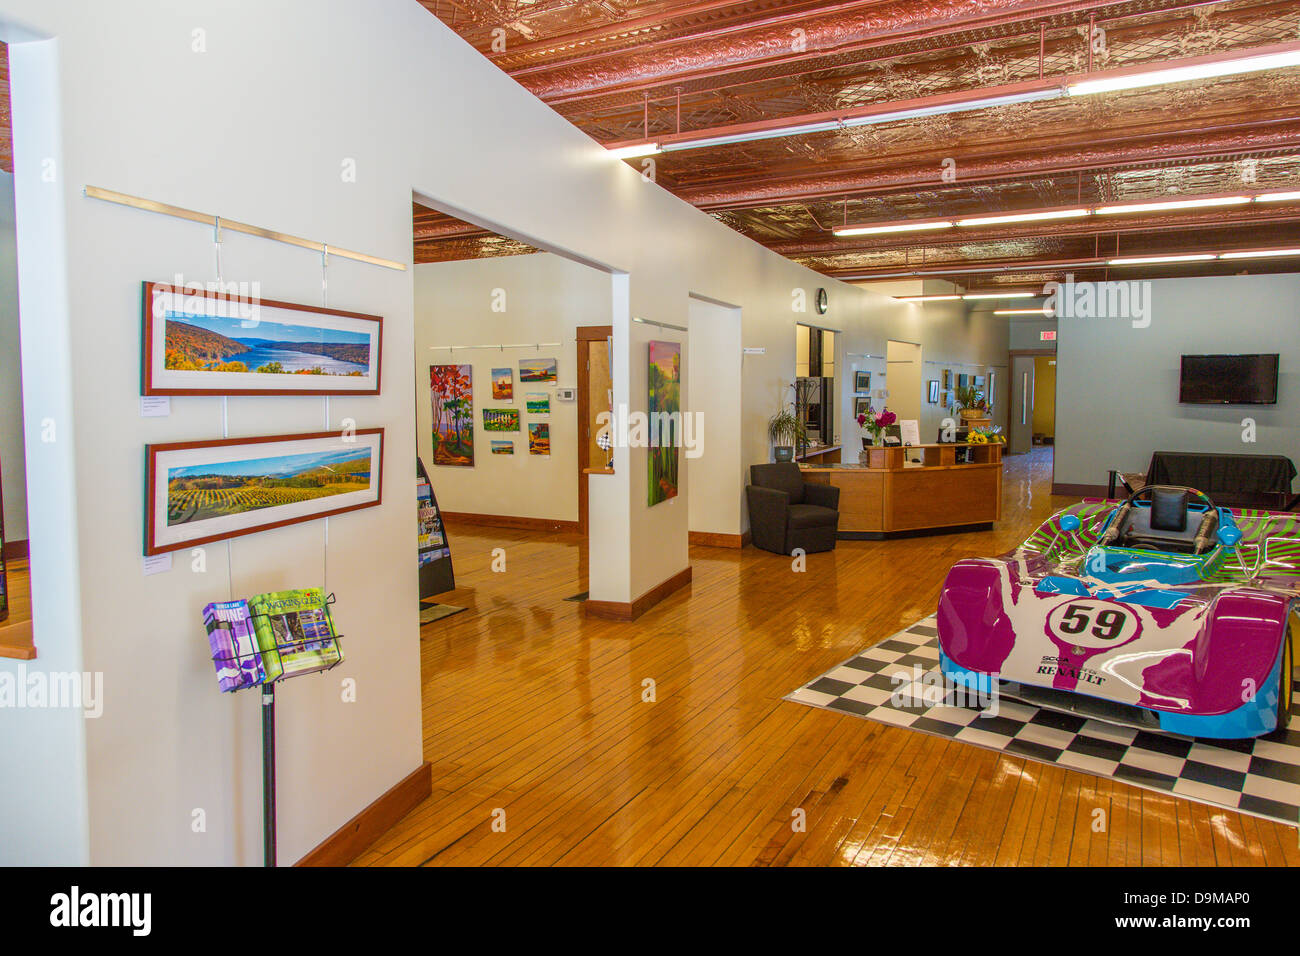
<point x="665" y="409"/>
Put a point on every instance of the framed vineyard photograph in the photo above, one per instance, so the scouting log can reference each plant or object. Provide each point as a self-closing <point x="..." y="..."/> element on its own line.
<point x="204" y="491"/>
<point x="201" y="342"/>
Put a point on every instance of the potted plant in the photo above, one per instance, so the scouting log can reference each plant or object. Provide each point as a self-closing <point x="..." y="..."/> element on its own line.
<point x="971" y="403"/>
<point x="786" y="430"/>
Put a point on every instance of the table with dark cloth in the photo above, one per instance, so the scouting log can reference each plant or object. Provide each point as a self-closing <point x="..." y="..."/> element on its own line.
<point x="1251" y="479"/>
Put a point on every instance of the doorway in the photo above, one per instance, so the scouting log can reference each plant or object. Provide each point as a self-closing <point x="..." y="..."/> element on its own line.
<point x="1031" y="415"/>
<point x="595" y="396"/>
<point x="903" y="379"/>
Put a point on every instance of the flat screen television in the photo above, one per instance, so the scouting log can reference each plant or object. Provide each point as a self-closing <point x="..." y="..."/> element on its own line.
<point x="1228" y="380"/>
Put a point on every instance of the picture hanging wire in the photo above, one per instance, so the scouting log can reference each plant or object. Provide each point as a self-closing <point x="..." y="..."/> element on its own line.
<point x="661" y="325"/>
<point x="500" y="348"/>
<point x="180" y="212"/>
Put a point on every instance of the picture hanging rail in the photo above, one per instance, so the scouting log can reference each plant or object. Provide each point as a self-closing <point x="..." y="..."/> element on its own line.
<point x="498" y="348"/>
<point x="218" y="222"/>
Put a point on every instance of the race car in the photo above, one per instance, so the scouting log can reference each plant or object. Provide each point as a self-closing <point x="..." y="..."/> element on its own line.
<point x="1163" y="611"/>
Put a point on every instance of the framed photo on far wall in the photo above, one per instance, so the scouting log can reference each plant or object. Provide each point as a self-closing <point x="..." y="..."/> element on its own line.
<point x="933" y="396"/>
<point x="861" y="381"/>
<point x="861" y="406"/>
<point x="197" y="492"/>
<point x="203" y="342"/>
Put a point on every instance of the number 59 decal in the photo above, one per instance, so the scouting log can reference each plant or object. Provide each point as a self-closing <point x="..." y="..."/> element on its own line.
<point x="1095" y="624"/>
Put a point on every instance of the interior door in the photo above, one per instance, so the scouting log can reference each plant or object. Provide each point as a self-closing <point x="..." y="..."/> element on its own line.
<point x="594" y="385"/>
<point x="1020" y="413"/>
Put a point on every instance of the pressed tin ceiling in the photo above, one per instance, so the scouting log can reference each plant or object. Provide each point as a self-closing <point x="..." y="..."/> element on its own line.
<point x="628" y="71"/>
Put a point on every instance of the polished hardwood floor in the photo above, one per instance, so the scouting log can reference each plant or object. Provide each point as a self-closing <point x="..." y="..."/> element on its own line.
<point x="536" y="718"/>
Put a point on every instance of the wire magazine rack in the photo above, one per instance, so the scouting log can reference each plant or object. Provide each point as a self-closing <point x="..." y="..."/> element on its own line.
<point x="268" y="710"/>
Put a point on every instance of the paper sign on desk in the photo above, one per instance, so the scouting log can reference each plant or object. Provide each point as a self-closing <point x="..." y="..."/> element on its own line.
<point x="909" y="430"/>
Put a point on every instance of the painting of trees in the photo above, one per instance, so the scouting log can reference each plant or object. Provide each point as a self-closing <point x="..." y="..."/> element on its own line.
<point x="452" y="390"/>
<point x="665" y="419"/>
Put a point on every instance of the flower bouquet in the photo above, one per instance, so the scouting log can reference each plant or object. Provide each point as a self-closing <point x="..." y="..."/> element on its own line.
<point x="875" y="423"/>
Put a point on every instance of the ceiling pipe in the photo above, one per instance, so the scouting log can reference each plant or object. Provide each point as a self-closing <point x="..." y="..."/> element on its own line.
<point x="840" y="28"/>
<point x="1203" y="145"/>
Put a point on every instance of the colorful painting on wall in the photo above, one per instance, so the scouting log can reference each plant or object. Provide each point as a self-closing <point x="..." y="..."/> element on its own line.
<point x="201" y="342"/>
<point x="501" y="419"/>
<point x="665" y="408"/>
<point x="537" y="403"/>
<point x="537" y="370"/>
<point x="539" y="438"/>
<point x="503" y="447"/>
<point x="202" y="491"/>
<point x="503" y="385"/>
<point x="452" y="389"/>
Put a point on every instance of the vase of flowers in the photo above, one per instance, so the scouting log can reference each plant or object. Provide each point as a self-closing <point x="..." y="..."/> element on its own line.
<point x="874" y="423"/>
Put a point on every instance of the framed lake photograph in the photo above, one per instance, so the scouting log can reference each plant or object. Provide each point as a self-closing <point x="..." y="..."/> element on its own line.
<point x="503" y="447"/>
<point x="202" y="342"/>
<point x="197" y="492"/>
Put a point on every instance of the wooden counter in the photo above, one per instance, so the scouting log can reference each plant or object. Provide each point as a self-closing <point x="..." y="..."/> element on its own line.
<point x="817" y="454"/>
<point x="891" y="496"/>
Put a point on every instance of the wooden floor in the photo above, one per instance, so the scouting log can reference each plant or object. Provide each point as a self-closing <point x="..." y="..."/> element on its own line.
<point x="531" y="709"/>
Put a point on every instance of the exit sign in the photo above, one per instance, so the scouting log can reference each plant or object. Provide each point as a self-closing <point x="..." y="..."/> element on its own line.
<point x="1047" y="335"/>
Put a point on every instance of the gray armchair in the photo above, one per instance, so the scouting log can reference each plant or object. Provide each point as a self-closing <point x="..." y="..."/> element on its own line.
<point x="786" y="513"/>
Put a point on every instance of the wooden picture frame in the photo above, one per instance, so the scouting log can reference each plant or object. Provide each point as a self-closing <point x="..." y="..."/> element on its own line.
<point x="215" y="498"/>
<point x="213" y="353"/>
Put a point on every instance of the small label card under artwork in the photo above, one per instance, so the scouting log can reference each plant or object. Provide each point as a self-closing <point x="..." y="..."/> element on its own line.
<point x="157" y="563"/>
<point x="755" y="350"/>
<point x="155" y="406"/>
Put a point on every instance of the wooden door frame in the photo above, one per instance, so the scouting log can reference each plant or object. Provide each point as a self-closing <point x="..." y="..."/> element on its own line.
<point x="586" y="335"/>
<point x="1035" y="354"/>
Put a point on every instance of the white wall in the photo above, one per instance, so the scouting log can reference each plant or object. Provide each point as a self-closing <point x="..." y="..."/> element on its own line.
<point x="117" y="101"/>
<point x="12" y="456"/>
<point x="715" y="481"/>
<point x="1117" y="386"/>
<point x="546" y="298"/>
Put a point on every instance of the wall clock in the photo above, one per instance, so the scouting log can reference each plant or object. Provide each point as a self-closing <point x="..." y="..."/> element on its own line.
<point x="823" y="301"/>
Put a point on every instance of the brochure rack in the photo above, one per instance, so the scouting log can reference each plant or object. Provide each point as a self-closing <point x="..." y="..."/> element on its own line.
<point x="268" y="721"/>
<point x="436" y="574"/>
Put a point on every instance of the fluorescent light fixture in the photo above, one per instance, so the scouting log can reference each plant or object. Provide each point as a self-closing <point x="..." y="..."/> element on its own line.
<point x="776" y="133"/>
<point x="1008" y="99"/>
<point x="891" y="227"/>
<point x="928" y="298"/>
<point x="1001" y="295"/>
<point x="1278" y="197"/>
<point x="1183" y="74"/>
<point x="825" y="126"/>
<point x="1043" y="311"/>
<point x="635" y="150"/>
<point x="1040" y="216"/>
<point x="1260" y="254"/>
<point x="1116" y="209"/>
<point x="1144" y="260"/>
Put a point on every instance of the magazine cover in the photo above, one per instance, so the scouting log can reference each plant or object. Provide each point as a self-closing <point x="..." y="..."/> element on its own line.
<point x="235" y="654"/>
<point x="294" y="630"/>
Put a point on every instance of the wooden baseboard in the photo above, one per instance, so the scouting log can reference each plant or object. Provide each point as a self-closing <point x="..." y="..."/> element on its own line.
<point x="1079" y="491"/>
<point x="343" y="845"/>
<point x="511" y="521"/>
<point x="15" y="550"/>
<point x="713" y="539"/>
<point x="630" y="611"/>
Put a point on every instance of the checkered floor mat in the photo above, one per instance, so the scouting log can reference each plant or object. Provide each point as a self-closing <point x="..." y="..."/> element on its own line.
<point x="1260" y="777"/>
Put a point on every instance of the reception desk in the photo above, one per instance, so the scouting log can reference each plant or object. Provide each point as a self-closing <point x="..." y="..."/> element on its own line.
<point x="953" y="487"/>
